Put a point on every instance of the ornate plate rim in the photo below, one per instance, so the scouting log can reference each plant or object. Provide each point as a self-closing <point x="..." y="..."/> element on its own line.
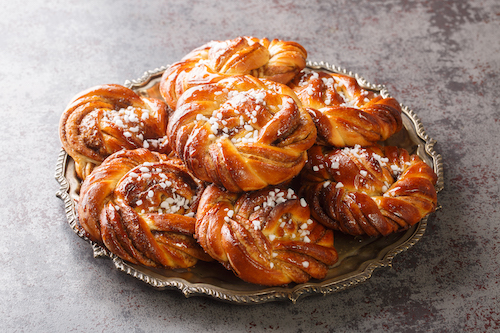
<point x="266" y="294"/>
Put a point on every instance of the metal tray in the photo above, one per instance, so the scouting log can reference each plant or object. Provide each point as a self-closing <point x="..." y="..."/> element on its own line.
<point x="358" y="256"/>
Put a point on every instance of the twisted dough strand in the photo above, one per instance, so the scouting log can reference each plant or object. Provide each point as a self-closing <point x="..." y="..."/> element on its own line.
<point x="141" y="205"/>
<point x="274" y="60"/>
<point x="266" y="237"/>
<point x="373" y="191"/>
<point x="107" y="118"/>
<point x="344" y="113"/>
<point x="241" y="133"/>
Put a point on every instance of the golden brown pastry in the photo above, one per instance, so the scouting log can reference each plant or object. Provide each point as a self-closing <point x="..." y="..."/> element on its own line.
<point x="142" y="206"/>
<point x="107" y="118"/>
<point x="372" y="191"/>
<point x="241" y="133"/>
<point x="265" y="237"/>
<point x="274" y="60"/>
<point x="344" y="113"/>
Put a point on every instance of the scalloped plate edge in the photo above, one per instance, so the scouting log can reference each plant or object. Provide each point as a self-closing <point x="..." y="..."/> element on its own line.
<point x="268" y="294"/>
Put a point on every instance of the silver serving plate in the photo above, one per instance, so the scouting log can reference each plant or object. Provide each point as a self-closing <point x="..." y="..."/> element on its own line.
<point x="358" y="256"/>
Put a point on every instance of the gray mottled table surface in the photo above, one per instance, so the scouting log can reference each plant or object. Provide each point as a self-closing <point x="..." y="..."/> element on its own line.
<point x="441" y="58"/>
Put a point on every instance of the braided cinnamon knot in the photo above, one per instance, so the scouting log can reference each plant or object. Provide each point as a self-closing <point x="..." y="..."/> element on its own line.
<point x="275" y="60"/>
<point x="107" y="118"/>
<point x="344" y="113"/>
<point x="373" y="191"/>
<point x="241" y="133"/>
<point x="142" y="206"/>
<point x="265" y="237"/>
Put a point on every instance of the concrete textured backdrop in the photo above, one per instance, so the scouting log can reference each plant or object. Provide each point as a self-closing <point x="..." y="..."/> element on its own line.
<point x="439" y="57"/>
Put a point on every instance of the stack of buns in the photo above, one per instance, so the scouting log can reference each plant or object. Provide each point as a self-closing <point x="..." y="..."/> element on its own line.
<point x="249" y="159"/>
